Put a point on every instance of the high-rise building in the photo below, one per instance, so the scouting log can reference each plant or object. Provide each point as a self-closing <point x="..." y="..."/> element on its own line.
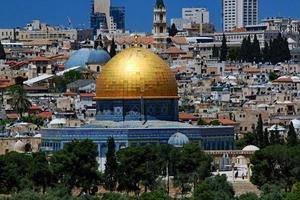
<point x="118" y="15"/>
<point x="239" y="13"/>
<point x="160" y="24"/>
<point x="107" y="18"/>
<point x="102" y="6"/>
<point x="191" y="16"/>
<point x="196" y="15"/>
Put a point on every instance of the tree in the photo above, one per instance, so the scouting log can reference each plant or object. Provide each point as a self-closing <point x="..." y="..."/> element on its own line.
<point x="215" y="123"/>
<point x="248" y="139"/>
<point x="234" y="53"/>
<point x="137" y="165"/>
<point x="224" y="49"/>
<point x="75" y="165"/>
<point x="244" y="50"/>
<point x="215" y="52"/>
<point x="192" y="166"/>
<point x="201" y="122"/>
<point x="173" y="30"/>
<point x="275" y="165"/>
<point x="214" y="188"/>
<point x="259" y="133"/>
<point x="256" y="50"/>
<point x="292" y="138"/>
<point x="2" y="52"/>
<point x="20" y="102"/>
<point x="295" y="194"/>
<point x="266" y="137"/>
<point x="40" y="172"/>
<point x="14" y="170"/>
<point x="111" y="166"/>
<point x="273" y="76"/>
<point x="157" y="195"/>
<point x="266" y="53"/>
<point x="113" y="47"/>
<point x="248" y="196"/>
<point x="272" y="192"/>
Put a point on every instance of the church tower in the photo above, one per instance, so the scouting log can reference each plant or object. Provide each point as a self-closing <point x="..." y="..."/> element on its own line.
<point x="160" y="25"/>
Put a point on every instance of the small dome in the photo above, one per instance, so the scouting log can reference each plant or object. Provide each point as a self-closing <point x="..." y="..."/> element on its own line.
<point x="19" y="147"/>
<point x="85" y="56"/>
<point x="178" y="140"/>
<point x="250" y="148"/>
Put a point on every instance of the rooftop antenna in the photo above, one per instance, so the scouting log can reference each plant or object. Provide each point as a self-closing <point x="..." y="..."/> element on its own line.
<point x="69" y="22"/>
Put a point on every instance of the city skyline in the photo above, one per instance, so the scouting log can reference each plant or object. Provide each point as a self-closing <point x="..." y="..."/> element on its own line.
<point x="34" y="9"/>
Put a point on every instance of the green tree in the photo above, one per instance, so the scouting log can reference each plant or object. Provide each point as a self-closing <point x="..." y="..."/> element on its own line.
<point x="20" y="102"/>
<point x="201" y="122"/>
<point x="272" y="192"/>
<point x="266" y="53"/>
<point x="244" y="50"/>
<point x="295" y="194"/>
<point x="248" y="196"/>
<point x="157" y="195"/>
<point x="215" y="123"/>
<point x="173" y="30"/>
<point x="224" y="49"/>
<point x="40" y="172"/>
<point x="273" y="76"/>
<point x="292" y="138"/>
<point x="215" y="52"/>
<point x="137" y="167"/>
<point x="256" y="50"/>
<point x="14" y="170"/>
<point x="234" y="53"/>
<point x="111" y="166"/>
<point x="214" y="188"/>
<point x="192" y="166"/>
<point x="2" y="52"/>
<point x="259" y="133"/>
<point x="113" y="48"/>
<point x="275" y="165"/>
<point x="75" y="165"/>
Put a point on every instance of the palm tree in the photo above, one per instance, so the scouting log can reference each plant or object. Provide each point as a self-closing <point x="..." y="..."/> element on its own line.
<point x="20" y="102"/>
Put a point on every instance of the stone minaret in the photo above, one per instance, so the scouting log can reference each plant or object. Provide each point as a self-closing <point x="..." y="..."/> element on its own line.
<point x="160" y="25"/>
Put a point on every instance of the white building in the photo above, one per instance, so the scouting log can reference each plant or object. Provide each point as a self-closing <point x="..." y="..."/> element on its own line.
<point x="239" y="13"/>
<point x="191" y="15"/>
<point x="196" y="15"/>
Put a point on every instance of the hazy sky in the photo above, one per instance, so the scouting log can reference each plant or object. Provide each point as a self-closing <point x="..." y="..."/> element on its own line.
<point x="14" y="13"/>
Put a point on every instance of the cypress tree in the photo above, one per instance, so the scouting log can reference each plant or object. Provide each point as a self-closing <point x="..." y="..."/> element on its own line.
<point x="292" y="136"/>
<point x="266" y="138"/>
<point x="2" y="52"/>
<point x="286" y="50"/>
<point x="224" y="49"/>
<point x="215" y="52"/>
<point x="249" y="51"/>
<point x="260" y="132"/>
<point x="173" y="30"/>
<point x="256" y="50"/>
<point x="266" y="53"/>
<point x="113" y="47"/>
<point x="243" y="52"/>
<point x="111" y="166"/>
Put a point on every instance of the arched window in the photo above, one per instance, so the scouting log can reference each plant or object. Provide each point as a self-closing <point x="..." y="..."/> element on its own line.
<point x="98" y="68"/>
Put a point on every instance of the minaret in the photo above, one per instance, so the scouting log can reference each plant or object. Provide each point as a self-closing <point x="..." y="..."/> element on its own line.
<point x="160" y="25"/>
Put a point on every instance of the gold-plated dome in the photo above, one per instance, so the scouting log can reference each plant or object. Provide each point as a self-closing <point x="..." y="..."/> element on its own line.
<point x="136" y="73"/>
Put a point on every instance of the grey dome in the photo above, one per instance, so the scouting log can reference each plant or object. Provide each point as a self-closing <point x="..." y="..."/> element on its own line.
<point x="178" y="140"/>
<point x="85" y="56"/>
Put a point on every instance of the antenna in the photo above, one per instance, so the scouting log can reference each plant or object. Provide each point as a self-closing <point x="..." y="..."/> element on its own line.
<point x="69" y="22"/>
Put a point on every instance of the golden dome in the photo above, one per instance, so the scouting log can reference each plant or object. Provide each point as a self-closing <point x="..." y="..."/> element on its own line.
<point x="136" y="73"/>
